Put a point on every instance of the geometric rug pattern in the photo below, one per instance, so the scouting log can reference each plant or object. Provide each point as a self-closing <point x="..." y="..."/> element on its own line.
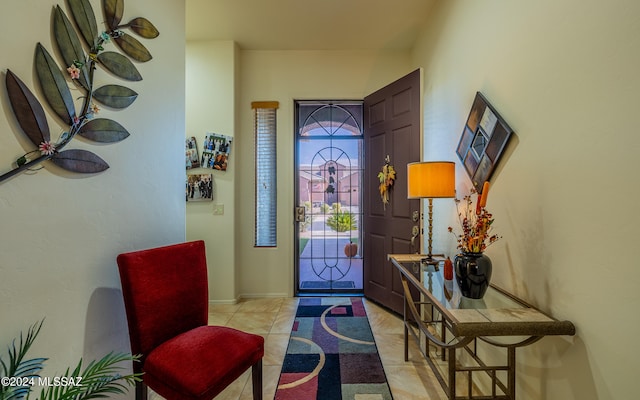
<point x="332" y="354"/>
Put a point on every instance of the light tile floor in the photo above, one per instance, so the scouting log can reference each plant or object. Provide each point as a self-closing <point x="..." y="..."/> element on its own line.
<point x="273" y="318"/>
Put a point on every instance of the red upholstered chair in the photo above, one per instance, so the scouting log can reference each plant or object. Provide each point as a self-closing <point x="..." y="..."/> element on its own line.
<point x="166" y="300"/>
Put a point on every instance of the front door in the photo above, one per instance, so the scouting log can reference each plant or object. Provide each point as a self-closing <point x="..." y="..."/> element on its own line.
<point x="328" y="197"/>
<point x="392" y="136"/>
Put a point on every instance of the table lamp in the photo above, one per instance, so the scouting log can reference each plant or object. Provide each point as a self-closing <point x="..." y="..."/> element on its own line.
<point x="429" y="180"/>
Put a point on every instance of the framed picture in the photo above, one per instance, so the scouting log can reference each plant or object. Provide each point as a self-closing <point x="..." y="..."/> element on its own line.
<point x="215" y="151"/>
<point x="199" y="187"/>
<point x="483" y="139"/>
<point x="192" y="158"/>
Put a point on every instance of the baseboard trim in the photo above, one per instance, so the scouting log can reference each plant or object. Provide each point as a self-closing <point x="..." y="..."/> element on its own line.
<point x="250" y="296"/>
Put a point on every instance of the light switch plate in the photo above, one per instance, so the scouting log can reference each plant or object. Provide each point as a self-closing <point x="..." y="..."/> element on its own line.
<point x="218" y="209"/>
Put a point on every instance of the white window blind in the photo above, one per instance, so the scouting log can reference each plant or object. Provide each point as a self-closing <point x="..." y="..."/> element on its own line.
<point x="265" y="176"/>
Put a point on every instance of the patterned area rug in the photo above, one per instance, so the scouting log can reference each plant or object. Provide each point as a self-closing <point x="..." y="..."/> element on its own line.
<point x="332" y="354"/>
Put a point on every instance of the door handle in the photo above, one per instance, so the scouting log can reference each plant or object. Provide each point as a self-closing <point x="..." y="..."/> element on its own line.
<point x="299" y="214"/>
<point x="415" y="232"/>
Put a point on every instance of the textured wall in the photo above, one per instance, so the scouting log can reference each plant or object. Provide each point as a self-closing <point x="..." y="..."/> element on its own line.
<point x="211" y="108"/>
<point x="60" y="233"/>
<point x="564" y="76"/>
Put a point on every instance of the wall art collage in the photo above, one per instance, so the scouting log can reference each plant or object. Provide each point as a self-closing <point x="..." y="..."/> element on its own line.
<point x="215" y="155"/>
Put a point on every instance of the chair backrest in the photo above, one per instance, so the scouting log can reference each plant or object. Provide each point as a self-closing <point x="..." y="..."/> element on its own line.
<point x="165" y="293"/>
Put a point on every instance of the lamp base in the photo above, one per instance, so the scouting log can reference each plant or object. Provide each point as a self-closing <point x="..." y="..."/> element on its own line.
<point x="433" y="259"/>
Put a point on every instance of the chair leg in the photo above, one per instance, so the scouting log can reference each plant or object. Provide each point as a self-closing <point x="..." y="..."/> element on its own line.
<point x="141" y="391"/>
<point x="256" y="380"/>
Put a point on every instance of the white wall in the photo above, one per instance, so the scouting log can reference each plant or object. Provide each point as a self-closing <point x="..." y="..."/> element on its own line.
<point x="565" y="77"/>
<point x="211" y="81"/>
<point x="60" y="233"/>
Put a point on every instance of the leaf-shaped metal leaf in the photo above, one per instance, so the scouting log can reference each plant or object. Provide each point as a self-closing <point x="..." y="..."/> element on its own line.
<point x="85" y="19"/>
<point x="28" y="110"/>
<point x="103" y="130"/>
<point x="119" y="65"/>
<point x="69" y="44"/>
<point x="133" y="48"/>
<point x="144" y="28"/>
<point x="113" y="10"/>
<point x="115" y="96"/>
<point x="54" y="86"/>
<point x="77" y="160"/>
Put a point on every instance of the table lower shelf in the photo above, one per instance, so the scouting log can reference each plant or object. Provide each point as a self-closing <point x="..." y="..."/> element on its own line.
<point x="460" y="371"/>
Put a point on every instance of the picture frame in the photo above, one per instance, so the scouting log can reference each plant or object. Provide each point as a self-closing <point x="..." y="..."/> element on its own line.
<point x="199" y="187"/>
<point x="483" y="140"/>
<point x="215" y="151"/>
<point x="192" y="158"/>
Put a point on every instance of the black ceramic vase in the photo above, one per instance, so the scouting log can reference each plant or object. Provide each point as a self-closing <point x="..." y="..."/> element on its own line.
<point x="473" y="274"/>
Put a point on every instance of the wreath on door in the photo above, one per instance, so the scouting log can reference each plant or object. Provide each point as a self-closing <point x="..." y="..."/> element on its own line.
<point x="386" y="176"/>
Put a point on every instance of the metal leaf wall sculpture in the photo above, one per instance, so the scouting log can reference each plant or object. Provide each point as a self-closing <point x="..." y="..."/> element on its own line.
<point x="81" y="48"/>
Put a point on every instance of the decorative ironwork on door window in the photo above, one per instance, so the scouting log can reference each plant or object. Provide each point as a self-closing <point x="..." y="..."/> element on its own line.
<point x="329" y="188"/>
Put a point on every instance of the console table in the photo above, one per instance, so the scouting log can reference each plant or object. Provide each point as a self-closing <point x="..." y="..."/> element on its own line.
<point x="446" y="320"/>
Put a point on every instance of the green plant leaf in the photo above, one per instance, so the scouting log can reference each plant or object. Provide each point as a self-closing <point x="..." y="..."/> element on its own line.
<point x="54" y="86"/>
<point x="99" y="379"/>
<point x="69" y="45"/>
<point x="113" y="10"/>
<point x="144" y="28"/>
<point x="115" y="96"/>
<point x="30" y="367"/>
<point x="133" y="48"/>
<point x="85" y="20"/>
<point x="342" y="221"/>
<point x="17" y="366"/>
<point x="103" y="130"/>
<point x="119" y="65"/>
<point x="82" y="161"/>
<point x="27" y="109"/>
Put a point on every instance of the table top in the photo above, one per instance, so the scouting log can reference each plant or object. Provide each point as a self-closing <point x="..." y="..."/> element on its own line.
<point x="498" y="313"/>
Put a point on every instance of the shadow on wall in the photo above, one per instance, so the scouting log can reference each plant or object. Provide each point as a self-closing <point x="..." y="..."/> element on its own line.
<point x="508" y="151"/>
<point x="106" y="327"/>
<point x="561" y="358"/>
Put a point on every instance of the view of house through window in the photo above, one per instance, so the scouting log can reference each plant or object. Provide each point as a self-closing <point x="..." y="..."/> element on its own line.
<point x="329" y="152"/>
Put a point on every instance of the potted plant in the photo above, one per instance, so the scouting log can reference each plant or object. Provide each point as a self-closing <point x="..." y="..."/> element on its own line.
<point x="19" y="375"/>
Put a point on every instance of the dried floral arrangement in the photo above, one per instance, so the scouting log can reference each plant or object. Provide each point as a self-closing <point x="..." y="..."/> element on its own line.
<point x="386" y="176"/>
<point x="476" y="223"/>
<point x="82" y="49"/>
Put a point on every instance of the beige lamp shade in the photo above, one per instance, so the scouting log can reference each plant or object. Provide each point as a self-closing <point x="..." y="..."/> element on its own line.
<point x="431" y="179"/>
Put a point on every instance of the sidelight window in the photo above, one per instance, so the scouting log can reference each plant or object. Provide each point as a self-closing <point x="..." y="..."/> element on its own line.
<point x="265" y="173"/>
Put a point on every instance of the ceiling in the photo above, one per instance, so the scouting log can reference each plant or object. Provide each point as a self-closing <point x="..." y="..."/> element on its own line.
<point x="308" y="24"/>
